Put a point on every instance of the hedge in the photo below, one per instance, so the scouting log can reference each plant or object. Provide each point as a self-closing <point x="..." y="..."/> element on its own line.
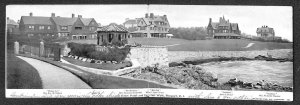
<point x="88" y="50"/>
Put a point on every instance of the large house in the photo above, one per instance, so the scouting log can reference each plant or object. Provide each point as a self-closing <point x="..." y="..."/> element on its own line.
<point x="56" y="26"/>
<point x="12" y="27"/>
<point x="266" y="33"/>
<point x="148" y="26"/>
<point x="223" y="29"/>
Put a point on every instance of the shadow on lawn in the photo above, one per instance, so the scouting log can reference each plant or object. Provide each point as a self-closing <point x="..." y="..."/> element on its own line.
<point x="21" y="75"/>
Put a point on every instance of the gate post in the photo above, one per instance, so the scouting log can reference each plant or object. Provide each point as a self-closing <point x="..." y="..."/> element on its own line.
<point x="42" y="48"/>
<point x="57" y="53"/>
<point x="16" y="47"/>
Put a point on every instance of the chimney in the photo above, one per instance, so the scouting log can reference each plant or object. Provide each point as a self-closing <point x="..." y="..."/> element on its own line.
<point x="151" y="15"/>
<point x="220" y="19"/>
<point x="79" y="16"/>
<point x="73" y="15"/>
<point x="52" y="14"/>
<point x="209" y="20"/>
<point x="30" y="14"/>
<point x="146" y="15"/>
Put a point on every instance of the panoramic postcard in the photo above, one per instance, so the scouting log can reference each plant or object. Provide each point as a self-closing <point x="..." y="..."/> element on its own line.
<point x="182" y="49"/>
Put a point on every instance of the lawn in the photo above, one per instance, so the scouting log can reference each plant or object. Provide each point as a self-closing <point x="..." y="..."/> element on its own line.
<point x="104" y="66"/>
<point x="175" y="44"/>
<point x="21" y="75"/>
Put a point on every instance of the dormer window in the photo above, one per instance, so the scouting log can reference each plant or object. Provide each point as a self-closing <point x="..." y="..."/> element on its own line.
<point x="64" y="27"/>
<point x="92" y="28"/>
<point x="78" y="28"/>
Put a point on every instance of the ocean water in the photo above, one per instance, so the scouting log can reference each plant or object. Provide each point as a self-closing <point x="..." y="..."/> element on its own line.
<point x="252" y="71"/>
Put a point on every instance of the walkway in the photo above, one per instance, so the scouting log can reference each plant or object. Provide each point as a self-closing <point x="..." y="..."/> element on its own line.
<point x="54" y="77"/>
<point x="249" y="45"/>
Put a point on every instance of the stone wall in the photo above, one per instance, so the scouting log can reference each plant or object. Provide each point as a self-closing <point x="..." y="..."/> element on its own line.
<point x="176" y="56"/>
<point x="150" y="55"/>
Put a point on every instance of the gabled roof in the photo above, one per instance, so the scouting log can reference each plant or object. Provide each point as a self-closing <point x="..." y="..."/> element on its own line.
<point x="64" y="21"/>
<point x="12" y="22"/>
<point x="265" y="29"/>
<point x="131" y="21"/>
<point x="113" y="27"/>
<point x="36" y="20"/>
<point x="132" y="29"/>
<point x="146" y="20"/>
<point x="234" y="26"/>
<point x="86" y="21"/>
<point x="214" y="25"/>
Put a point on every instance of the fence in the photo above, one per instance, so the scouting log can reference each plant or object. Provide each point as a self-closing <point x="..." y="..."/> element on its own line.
<point x="38" y="49"/>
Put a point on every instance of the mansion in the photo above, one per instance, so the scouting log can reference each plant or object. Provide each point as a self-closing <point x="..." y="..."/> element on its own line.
<point x="266" y="33"/>
<point x="148" y="26"/>
<point x="223" y="29"/>
<point x="61" y="27"/>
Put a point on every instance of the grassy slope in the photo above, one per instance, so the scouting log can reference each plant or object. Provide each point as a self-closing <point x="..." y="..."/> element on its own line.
<point x="204" y="45"/>
<point x="21" y="75"/>
<point x="210" y="45"/>
<point x="97" y="66"/>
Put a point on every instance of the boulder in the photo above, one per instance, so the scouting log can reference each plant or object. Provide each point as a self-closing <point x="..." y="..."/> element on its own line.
<point x="88" y="60"/>
<point x="80" y="58"/>
<point x="257" y="86"/>
<point x="84" y="59"/>
<point x="98" y="62"/>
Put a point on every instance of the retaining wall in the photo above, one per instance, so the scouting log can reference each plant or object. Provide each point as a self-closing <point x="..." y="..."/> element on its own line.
<point x="150" y="55"/>
<point x="176" y="56"/>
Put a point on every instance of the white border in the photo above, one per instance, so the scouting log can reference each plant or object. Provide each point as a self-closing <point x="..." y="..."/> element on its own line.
<point x="149" y="92"/>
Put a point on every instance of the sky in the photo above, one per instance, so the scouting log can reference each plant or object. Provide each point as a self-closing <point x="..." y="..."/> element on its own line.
<point x="249" y="18"/>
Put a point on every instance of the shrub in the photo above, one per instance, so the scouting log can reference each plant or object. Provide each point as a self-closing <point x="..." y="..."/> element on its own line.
<point x="88" y="50"/>
<point x="81" y="50"/>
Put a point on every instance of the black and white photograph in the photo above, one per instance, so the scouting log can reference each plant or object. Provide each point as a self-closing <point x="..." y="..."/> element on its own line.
<point x="138" y="50"/>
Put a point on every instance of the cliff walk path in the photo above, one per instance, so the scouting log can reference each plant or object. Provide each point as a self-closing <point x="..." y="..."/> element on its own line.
<point x="54" y="77"/>
<point x="249" y="45"/>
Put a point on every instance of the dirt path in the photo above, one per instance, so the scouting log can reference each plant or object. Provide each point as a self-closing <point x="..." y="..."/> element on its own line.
<point x="54" y="77"/>
<point x="249" y="45"/>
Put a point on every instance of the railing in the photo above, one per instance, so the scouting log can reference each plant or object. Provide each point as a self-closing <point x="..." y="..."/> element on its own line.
<point x="46" y="50"/>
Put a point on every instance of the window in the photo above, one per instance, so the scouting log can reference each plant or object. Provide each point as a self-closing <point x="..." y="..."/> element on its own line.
<point x="64" y="27"/>
<point x="92" y="28"/>
<point x="49" y="27"/>
<point x="41" y="27"/>
<point x="78" y="28"/>
<point x="31" y="27"/>
<point x="29" y="35"/>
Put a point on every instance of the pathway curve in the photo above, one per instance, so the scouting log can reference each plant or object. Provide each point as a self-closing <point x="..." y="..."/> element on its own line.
<point x="249" y="45"/>
<point x="54" y="77"/>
